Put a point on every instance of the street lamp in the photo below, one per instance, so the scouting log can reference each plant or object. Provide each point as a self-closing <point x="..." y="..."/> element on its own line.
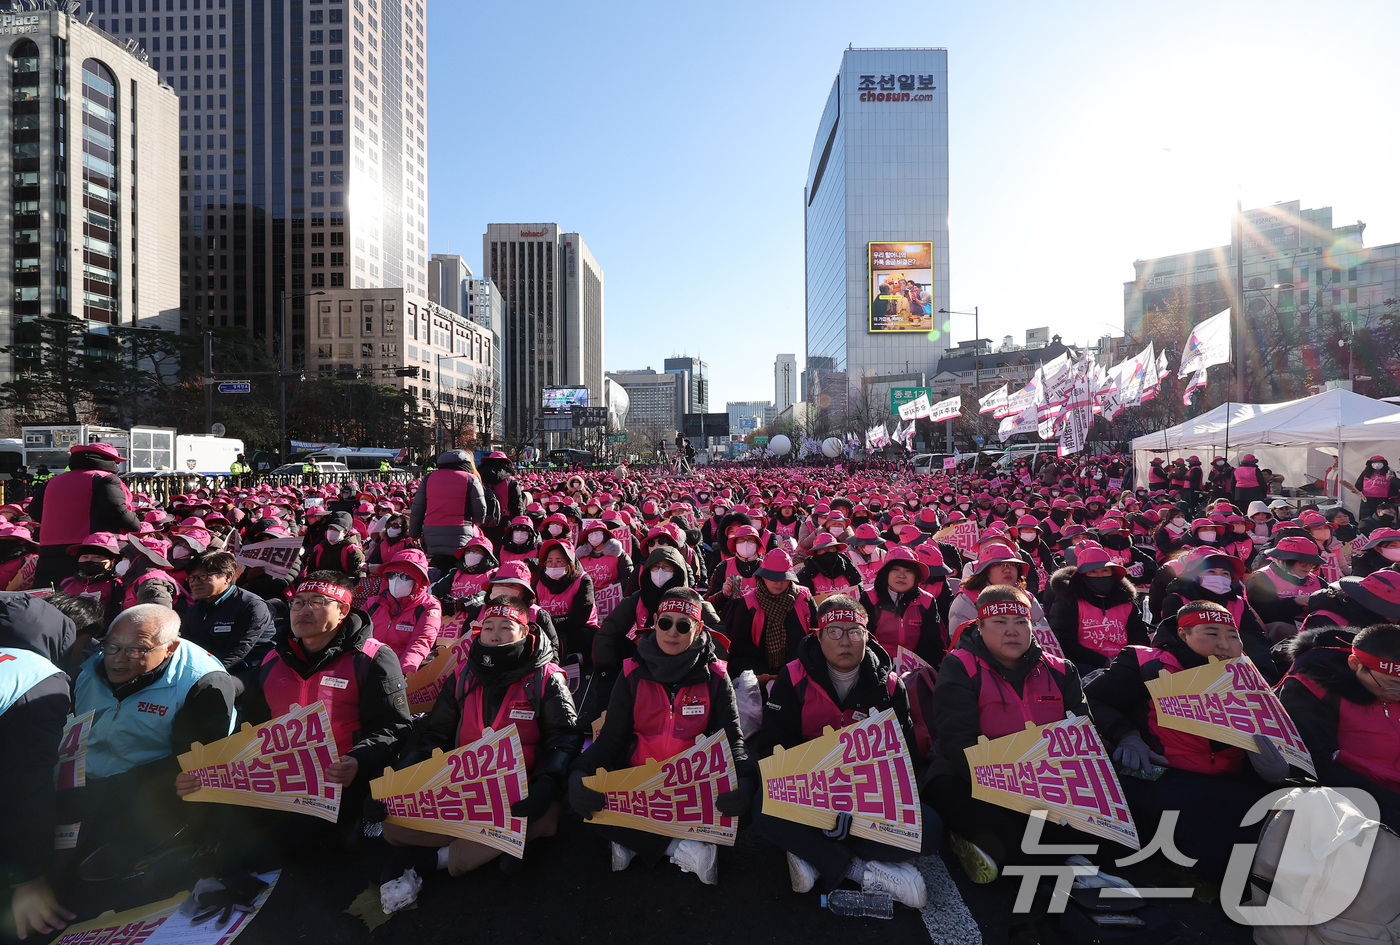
<point x="437" y="401"/>
<point x="976" y="343"/>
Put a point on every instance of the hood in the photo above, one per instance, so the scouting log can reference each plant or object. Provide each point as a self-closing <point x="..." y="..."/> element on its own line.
<point x="87" y="460"/>
<point x="1321" y="655"/>
<point x="611" y="547"/>
<point x="493" y="470"/>
<point x="32" y="623"/>
<point x="454" y="459"/>
<point x="665" y="553"/>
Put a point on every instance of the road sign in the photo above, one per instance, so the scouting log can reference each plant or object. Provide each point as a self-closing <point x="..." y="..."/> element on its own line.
<point x="617" y="437"/>
<point x="903" y="395"/>
<point x="760" y="440"/>
<point x="979" y="439"/>
<point x="560" y="423"/>
<point x="235" y="387"/>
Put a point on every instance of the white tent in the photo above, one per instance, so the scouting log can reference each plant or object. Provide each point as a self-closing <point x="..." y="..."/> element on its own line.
<point x="1296" y="438"/>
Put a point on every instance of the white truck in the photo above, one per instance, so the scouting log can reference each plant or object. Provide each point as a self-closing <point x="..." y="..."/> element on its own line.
<point x="147" y="450"/>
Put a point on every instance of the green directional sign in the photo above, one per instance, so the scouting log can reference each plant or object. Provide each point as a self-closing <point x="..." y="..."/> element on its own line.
<point x="617" y="437"/>
<point x="760" y="440"/>
<point x="902" y="395"/>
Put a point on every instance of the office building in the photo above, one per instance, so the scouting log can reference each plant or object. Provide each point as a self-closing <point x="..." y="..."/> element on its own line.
<point x="655" y="402"/>
<point x="876" y="212"/>
<point x="448" y="277"/>
<point x="977" y="364"/>
<point x="89" y="219"/>
<point x="786" y="382"/>
<point x="484" y="303"/>
<point x="552" y="331"/>
<point x="303" y="151"/>
<point x="750" y="416"/>
<point x="1309" y="288"/>
<point x="697" y="393"/>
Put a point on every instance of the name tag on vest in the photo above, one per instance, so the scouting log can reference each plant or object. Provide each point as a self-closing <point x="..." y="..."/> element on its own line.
<point x="1046" y="697"/>
<point x="404" y="628"/>
<point x="523" y="715"/>
<point x="697" y="709"/>
<point x="223" y="628"/>
<point x="334" y="682"/>
<point x="858" y="716"/>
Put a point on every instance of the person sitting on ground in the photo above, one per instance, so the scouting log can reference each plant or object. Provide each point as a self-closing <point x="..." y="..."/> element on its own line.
<point x="766" y="625"/>
<point x="405" y="614"/>
<point x="230" y="623"/>
<point x="839" y="676"/>
<point x="673" y="691"/>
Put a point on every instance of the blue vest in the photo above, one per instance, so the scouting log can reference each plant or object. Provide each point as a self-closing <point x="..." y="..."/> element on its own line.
<point x="20" y="671"/>
<point x="137" y="730"/>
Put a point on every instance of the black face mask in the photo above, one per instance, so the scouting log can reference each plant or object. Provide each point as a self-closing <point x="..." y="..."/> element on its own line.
<point x="10" y="549"/>
<point x="1116" y="542"/>
<point x="1099" y="585"/>
<point x="93" y="569"/>
<point x="487" y="661"/>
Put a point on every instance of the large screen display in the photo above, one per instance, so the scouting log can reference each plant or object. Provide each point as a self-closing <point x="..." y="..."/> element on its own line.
<point x="901" y="286"/>
<point x="563" y="399"/>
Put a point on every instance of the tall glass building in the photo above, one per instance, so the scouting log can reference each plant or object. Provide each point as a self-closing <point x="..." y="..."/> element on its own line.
<point x="876" y="212"/>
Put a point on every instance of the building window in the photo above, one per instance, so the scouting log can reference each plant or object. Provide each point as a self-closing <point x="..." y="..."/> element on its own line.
<point x="101" y="190"/>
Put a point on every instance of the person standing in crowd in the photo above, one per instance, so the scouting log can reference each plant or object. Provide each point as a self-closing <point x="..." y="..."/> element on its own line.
<point x="89" y="497"/>
<point x="449" y="501"/>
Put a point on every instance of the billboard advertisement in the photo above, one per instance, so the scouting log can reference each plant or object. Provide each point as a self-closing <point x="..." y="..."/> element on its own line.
<point x="901" y="286"/>
<point x="1271" y="231"/>
<point x="563" y="399"/>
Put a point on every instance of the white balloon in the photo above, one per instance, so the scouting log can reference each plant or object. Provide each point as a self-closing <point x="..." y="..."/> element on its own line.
<point x="832" y="447"/>
<point x="780" y="445"/>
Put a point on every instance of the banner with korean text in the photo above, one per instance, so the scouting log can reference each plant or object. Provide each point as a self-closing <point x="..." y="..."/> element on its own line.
<point x="675" y="797"/>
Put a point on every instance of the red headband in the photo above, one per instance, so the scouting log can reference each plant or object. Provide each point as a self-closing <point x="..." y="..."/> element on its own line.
<point x="1004" y="608"/>
<point x="840" y="615"/>
<point x="676" y="605"/>
<point x="509" y="611"/>
<point x="1374" y="663"/>
<point x="1194" y="618"/>
<point x="333" y="591"/>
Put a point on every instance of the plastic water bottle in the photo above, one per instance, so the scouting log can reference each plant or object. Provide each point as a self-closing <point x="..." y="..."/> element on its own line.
<point x="849" y="902"/>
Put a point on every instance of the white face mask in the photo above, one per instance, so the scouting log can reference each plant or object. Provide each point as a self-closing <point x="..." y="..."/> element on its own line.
<point x="123" y="566"/>
<point x="659" y="576"/>
<point x="1378" y="465"/>
<point x="1206" y="534"/>
<point x="471" y="559"/>
<point x="746" y="549"/>
<point x="836" y="529"/>
<point x="596" y="539"/>
<point x="520" y="537"/>
<point x="400" y="586"/>
<point x="1390" y="554"/>
<point x="1028" y="536"/>
<point x="1216" y="583"/>
<point x="393" y="532"/>
<point x="1321" y="535"/>
<point x="555" y="574"/>
<point x="556" y="529"/>
<point x="334" y="535"/>
<point x="179" y="553"/>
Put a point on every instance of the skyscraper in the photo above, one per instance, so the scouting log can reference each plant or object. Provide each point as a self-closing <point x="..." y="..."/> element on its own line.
<point x="552" y="329"/>
<point x="697" y="389"/>
<point x="303" y="152"/>
<point x="89" y="213"/>
<point x="448" y="278"/>
<point x="876" y="207"/>
<point x="785" y="382"/>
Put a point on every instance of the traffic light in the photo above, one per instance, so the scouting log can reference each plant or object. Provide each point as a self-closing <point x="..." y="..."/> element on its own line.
<point x="406" y="372"/>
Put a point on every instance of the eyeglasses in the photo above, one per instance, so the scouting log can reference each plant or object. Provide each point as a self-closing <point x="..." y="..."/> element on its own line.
<point x="315" y="603"/>
<point x="203" y="577"/>
<point x="841" y="633"/>
<point x="1392" y="690"/>
<point x="130" y="652"/>
<point x="680" y="626"/>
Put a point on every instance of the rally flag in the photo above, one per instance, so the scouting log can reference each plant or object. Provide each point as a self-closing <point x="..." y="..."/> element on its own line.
<point x="1079" y="412"/>
<point x="947" y="409"/>
<point x="994" y="401"/>
<point x="1060" y="768"/>
<point x="1198" y="380"/>
<point x="916" y="409"/>
<point x="1024" y="421"/>
<point x="1209" y="344"/>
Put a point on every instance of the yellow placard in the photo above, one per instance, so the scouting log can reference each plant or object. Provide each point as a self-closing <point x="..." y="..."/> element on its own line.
<point x="961" y="535"/>
<point x="1227" y="701"/>
<point x="820" y="598"/>
<point x="426" y="682"/>
<point x="907" y="661"/>
<point x="280" y="765"/>
<point x="863" y="769"/>
<point x="71" y="769"/>
<point x="452" y="627"/>
<point x="1060" y="768"/>
<point x="466" y="792"/>
<point x="675" y="797"/>
<point x="112" y="928"/>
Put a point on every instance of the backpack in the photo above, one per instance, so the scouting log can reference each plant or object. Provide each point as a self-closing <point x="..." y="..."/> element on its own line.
<point x="492" y="518"/>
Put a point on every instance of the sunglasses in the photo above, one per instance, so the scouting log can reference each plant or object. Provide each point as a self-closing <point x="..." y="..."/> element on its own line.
<point x="680" y="626"/>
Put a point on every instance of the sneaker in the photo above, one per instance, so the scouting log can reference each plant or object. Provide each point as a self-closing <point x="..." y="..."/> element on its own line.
<point x="802" y="874"/>
<point x="698" y="857"/>
<point x="901" y="880"/>
<point x="621" y="857"/>
<point x="978" y="866"/>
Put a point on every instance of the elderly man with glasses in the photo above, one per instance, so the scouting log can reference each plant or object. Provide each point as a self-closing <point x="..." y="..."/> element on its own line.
<point x="153" y="695"/>
<point x="232" y="624"/>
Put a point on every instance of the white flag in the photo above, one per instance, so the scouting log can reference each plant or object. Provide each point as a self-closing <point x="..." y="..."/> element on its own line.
<point x="1209" y="344"/>
<point x="994" y="401"/>
<point x="1198" y="380"/>
<point x="916" y="409"/>
<point x="947" y="409"/>
<point x="1023" y="422"/>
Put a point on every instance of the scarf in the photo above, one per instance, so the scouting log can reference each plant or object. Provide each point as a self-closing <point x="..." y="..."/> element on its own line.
<point x="776" y="607"/>
<point x="665" y="668"/>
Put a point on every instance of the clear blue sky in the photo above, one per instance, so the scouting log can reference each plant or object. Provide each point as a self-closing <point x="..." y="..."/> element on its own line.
<point x="675" y="138"/>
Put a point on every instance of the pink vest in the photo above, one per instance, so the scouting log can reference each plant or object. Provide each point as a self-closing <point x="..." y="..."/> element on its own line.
<point x="558" y="605"/>
<point x="800" y="607"/>
<point x="520" y="707"/>
<point x="818" y="709"/>
<point x="1184" y="751"/>
<point x="892" y="630"/>
<point x="1368" y="737"/>
<point x="602" y="569"/>
<point x="68" y="507"/>
<point x="1373" y="486"/>
<point x="337" y="685"/>
<point x="666" y="726"/>
<point x="746" y="584"/>
<point x="466" y="585"/>
<point x="1104" y="631"/>
<point x="447" y="497"/>
<point x="1000" y="711"/>
<point x="1247" y="477"/>
<point x="1285" y="588"/>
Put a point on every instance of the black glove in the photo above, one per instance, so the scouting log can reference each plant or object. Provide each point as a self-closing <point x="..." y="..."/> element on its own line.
<point x="1268" y="762"/>
<point x="1132" y="753"/>
<point x="373" y="811"/>
<point x="584" y="800"/>
<point x="543" y="791"/>
<point x="842" y="828"/>
<point x="233" y="893"/>
<point x="737" y="802"/>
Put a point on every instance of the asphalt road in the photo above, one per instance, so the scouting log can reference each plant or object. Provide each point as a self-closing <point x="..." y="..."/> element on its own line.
<point x="566" y="892"/>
